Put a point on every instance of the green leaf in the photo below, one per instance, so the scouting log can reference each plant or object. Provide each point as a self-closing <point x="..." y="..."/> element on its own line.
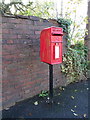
<point x="36" y="103"/>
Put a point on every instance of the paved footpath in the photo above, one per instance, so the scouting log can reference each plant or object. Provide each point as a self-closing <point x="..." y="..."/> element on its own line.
<point x="69" y="102"/>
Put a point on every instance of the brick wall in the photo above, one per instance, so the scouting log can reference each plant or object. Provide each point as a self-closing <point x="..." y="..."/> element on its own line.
<point x="23" y="74"/>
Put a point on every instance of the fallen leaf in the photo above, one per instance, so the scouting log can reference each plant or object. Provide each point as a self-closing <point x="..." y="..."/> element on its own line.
<point x="6" y="108"/>
<point x="58" y="103"/>
<point x="85" y="115"/>
<point x="63" y="88"/>
<point x="58" y="93"/>
<point x="75" y="114"/>
<point x="72" y="110"/>
<point x="36" y="103"/>
<point x="48" y="98"/>
<point x="87" y="88"/>
<point x="72" y="97"/>
<point x="60" y="88"/>
<point x="75" y="90"/>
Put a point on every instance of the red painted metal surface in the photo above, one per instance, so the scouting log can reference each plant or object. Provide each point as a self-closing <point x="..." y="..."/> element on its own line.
<point x="51" y="45"/>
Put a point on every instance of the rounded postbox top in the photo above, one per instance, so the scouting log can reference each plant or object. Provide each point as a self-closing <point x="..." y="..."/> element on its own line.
<point x="54" y="30"/>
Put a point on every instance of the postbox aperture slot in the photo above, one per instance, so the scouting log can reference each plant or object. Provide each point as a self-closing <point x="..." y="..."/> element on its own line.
<point x="56" y="34"/>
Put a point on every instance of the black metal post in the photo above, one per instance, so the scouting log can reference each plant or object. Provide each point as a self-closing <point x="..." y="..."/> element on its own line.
<point x="50" y="81"/>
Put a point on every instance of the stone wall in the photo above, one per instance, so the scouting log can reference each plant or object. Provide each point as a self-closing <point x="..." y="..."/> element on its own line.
<point x="23" y="75"/>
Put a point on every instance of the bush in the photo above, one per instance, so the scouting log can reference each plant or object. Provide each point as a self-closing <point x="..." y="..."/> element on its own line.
<point x="74" y="62"/>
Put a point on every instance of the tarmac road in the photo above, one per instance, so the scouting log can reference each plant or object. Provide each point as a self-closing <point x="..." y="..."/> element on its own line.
<point x="70" y="102"/>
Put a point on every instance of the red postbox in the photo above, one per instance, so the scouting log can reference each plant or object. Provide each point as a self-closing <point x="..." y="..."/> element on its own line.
<point x="51" y="45"/>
